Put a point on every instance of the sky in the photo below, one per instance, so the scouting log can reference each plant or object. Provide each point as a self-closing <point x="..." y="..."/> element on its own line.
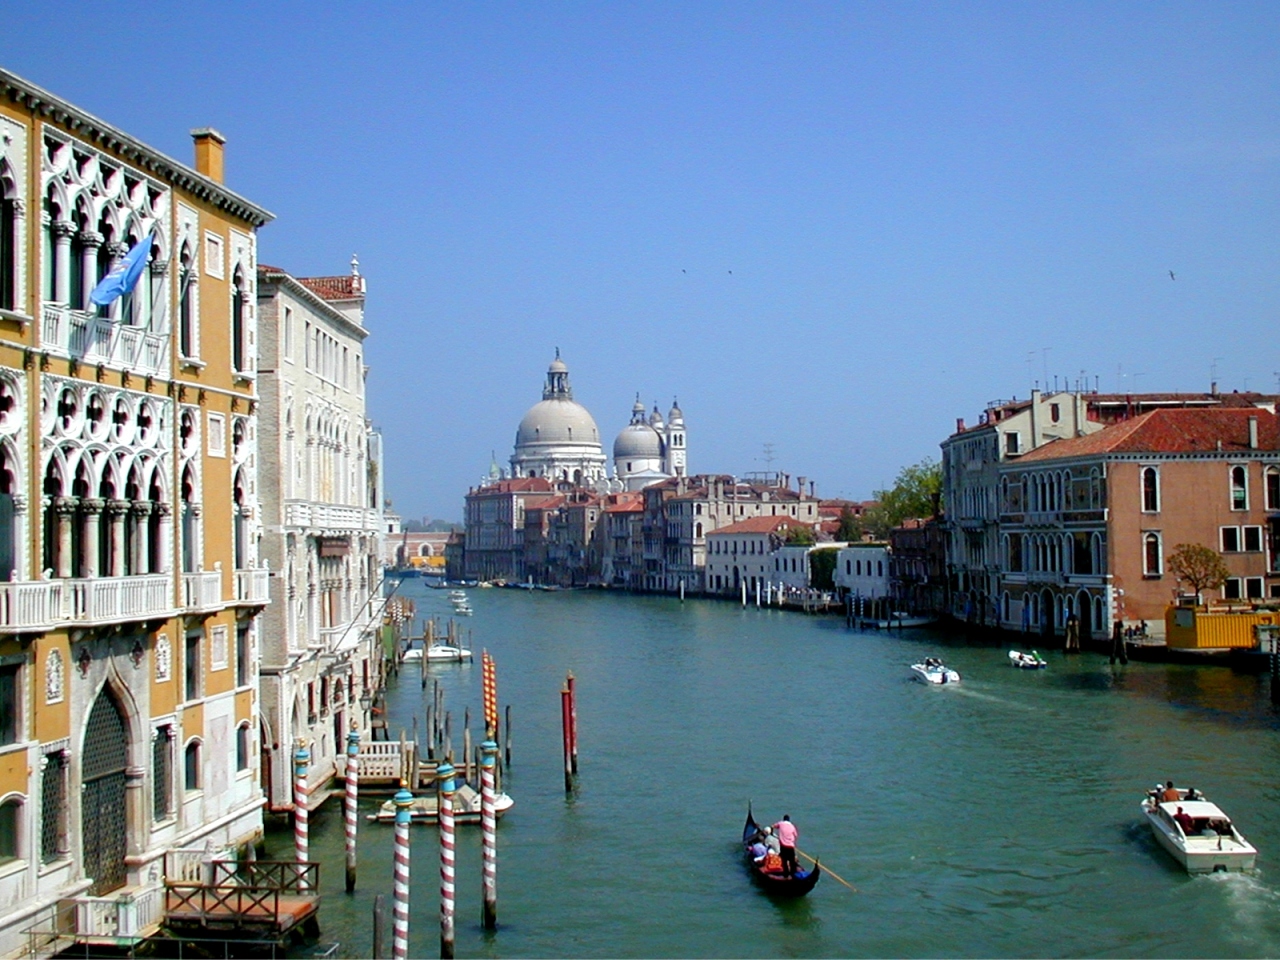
<point x="832" y="228"/>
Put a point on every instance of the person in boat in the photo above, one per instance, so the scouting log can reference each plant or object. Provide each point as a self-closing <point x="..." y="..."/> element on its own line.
<point x="758" y="850"/>
<point x="787" y="837"/>
<point x="1183" y="819"/>
<point x="1194" y="794"/>
<point x="1170" y="795"/>
<point x="771" y="841"/>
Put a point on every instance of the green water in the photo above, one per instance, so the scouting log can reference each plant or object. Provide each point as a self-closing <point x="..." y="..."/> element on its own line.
<point x="994" y="818"/>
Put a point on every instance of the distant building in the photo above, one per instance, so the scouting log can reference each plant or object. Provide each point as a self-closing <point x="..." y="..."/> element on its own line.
<point x="918" y="566"/>
<point x="744" y="552"/>
<point x="495" y="524"/>
<point x="864" y="570"/>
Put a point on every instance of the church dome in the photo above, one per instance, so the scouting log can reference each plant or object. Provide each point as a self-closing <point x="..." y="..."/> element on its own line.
<point x="638" y="441"/>
<point x="557" y="421"/>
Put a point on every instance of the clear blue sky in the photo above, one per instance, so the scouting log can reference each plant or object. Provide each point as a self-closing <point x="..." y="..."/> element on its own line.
<point x="832" y="227"/>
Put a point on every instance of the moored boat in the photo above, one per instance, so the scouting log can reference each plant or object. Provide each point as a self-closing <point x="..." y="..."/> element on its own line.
<point x="447" y="653"/>
<point x="426" y="808"/>
<point x="1027" y="661"/>
<point x="1203" y="839"/>
<point x="770" y="880"/>
<point x="932" y="670"/>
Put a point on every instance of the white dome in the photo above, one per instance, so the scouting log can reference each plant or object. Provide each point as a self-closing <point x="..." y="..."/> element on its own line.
<point x="639" y="441"/>
<point x="558" y="422"/>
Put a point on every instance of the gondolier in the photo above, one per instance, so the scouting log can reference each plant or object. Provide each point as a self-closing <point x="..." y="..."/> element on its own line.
<point x="787" y="837"/>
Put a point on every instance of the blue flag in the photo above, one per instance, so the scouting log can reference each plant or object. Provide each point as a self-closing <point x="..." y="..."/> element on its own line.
<point x="123" y="275"/>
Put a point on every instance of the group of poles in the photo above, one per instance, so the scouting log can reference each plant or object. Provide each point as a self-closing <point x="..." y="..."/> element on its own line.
<point x="403" y="800"/>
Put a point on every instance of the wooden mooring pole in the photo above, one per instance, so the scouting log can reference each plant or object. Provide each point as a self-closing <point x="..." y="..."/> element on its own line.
<point x="352" y="778"/>
<point x="400" y="915"/>
<point x="301" y="760"/>
<point x="564" y="731"/>
<point x="444" y="777"/>
<point x="506" y="736"/>
<point x="379" y="927"/>
<point x="573" y="723"/>
<point x="489" y="833"/>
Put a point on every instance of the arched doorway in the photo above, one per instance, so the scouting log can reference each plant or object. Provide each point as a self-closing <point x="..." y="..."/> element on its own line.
<point x="1046" y="614"/>
<point x="1084" y="610"/>
<point x="103" y="822"/>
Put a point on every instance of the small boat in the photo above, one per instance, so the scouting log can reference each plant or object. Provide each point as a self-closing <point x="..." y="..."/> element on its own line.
<point x="446" y="653"/>
<point x="426" y="809"/>
<point x="412" y="653"/>
<point x="772" y="881"/>
<point x="463" y="610"/>
<point x="1211" y="845"/>
<point x="904" y="621"/>
<point x="1027" y="661"/>
<point x="932" y="670"/>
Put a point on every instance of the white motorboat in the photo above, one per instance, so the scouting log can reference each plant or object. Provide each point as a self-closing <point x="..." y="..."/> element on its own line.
<point x="1203" y="839"/>
<point x="932" y="670"/>
<point x="903" y="621"/>
<point x="412" y="653"/>
<point x="1027" y="661"/>
<point x="426" y="809"/>
<point x="446" y="653"/>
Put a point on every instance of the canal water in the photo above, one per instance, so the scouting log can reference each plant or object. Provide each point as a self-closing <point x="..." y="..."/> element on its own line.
<point x="994" y="818"/>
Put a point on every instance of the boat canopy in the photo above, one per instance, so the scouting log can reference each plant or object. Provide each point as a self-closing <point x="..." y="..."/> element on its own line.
<point x="1196" y="809"/>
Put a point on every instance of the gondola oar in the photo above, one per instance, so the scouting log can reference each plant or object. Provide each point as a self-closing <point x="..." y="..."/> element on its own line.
<point x="834" y="875"/>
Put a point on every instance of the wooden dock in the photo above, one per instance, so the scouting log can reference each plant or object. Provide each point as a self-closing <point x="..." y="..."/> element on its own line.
<point x="270" y="899"/>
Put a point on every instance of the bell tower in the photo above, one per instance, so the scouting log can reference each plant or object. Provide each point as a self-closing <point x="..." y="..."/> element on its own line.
<point x="677" y="455"/>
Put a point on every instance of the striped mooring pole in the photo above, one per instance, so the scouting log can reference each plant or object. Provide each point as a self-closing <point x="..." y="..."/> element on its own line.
<point x="489" y="832"/>
<point x="573" y="722"/>
<point x="444" y="777"/>
<point x="400" y="908"/>
<point x="352" y="778"/>
<point x="301" y="760"/>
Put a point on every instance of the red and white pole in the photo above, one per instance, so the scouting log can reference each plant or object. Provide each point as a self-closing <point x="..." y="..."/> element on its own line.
<point x="301" y="760"/>
<point x="444" y="777"/>
<point x="573" y="723"/>
<point x="352" y="778"/>
<point x="489" y="832"/>
<point x="400" y="891"/>
<point x="566" y="737"/>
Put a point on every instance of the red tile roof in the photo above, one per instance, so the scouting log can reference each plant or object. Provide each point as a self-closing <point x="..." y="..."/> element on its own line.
<point x="758" y="525"/>
<point x="518" y="485"/>
<point x="346" y="287"/>
<point x="1172" y="430"/>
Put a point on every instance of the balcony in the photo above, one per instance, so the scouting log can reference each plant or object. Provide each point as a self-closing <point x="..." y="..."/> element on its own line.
<point x="43" y="604"/>
<point x="202" y="592"/>
<point x="329" y="516"/>
<point x="92" y="339"/>
<point x="253" y="587"/>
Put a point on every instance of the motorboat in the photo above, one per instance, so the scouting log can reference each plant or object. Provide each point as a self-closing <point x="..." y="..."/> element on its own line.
<point x="446" y="653"/>
<point x="1027" y="661"/>
<point x="903" y="621"/>
<point x="426" y="809"/>
<point x="1203" y="839"/>
<point x="463" y="610"/>
<point x="932" y="670"/>
<point x="413" y="652"/>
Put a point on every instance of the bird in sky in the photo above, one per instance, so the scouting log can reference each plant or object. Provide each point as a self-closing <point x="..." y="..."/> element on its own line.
<point x="1171" y="276"/>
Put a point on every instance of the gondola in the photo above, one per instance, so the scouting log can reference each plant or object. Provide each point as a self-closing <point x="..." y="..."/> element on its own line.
<point x="776" y="884"/>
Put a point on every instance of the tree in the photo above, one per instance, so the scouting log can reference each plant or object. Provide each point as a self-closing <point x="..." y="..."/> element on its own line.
<point x="850" y="529"/>
<point x="800" y="536"/>
<point x="917" y="492"/>
<point x="822" y="568"/>
<point x="1199" y="566"/>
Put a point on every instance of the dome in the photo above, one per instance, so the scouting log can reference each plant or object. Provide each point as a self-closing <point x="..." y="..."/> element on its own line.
<point x="638" y="441"/>
<point x="557" y="421"/>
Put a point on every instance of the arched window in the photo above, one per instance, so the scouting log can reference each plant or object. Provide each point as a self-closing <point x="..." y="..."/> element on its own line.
<point x="242" y="747"/>
<point x="1239" y="488"/>
<point x="186" y="303"/>
<point x="1150" y="490"/>
<point x="191" y="766"/>
<point x="1273" y="488"/>
<point x="10" y="818"/>
<point x="9" y="254"/>
<point x="1152" y="565"/>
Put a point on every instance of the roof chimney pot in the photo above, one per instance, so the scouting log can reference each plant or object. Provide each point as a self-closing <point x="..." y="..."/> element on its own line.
<point x="1253" y="433"/>
<point x="209" y="153"/>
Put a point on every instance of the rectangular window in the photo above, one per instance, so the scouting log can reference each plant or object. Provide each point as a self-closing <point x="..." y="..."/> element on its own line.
<point x="1230" y="539"/>
<point x="243" y="673"/>
<point x="53" y="801"/>
<point x="8" y="705"/>
<point x="1253" y="588"/>
<point x="214" y="265"/>
<point x="286" y="334"/>
<point x="218" y="648"/>
<point x="1055" y="412"/>
<point x="162" y="773"/>
<point x="306" y="344"/>
<point x="1231" y="588"/>
<point x="191" y="665"/>
<point x="1252" y="539"/>
<point x="217" y="434"/>
<point x="1011" y="442"/>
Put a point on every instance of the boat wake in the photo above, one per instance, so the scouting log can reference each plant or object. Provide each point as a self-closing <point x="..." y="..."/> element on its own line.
<point x="991" y="698"/>
<point x="1254" y="905"/>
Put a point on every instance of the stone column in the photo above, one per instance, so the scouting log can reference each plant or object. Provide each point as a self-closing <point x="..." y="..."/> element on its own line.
<point x="165" y="560"/>
<point x="19" y="537"/>
<point x="91" y="510"/>
<point x="63" y="231"/>
<point x="118" y="511"/>
<point x="135" y="810"/>
<point x="65" y="508"/>
<point x="90" y="242"/>
<point x="116" y="251"/>
<point x="152" y="318"/>
<point x="140" y="510"/>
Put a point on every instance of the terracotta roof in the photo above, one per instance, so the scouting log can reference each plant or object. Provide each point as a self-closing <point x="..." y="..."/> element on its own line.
<point x="1171" y="430"/>
<point x="518" y="485"/>
<point x="758" y="525"/>
<point x="628" y="507"/>
<point x="549" y="504"/>
<point x="347" y="287"/>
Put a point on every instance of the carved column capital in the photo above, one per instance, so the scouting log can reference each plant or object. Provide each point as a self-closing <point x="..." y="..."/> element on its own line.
<point x="164" y="508"/>
<point x="118" y="508"/>
<point x="141" y="508"/>
<point x="159" y="268"/>
<point x="116" y="249"/>
<point x="93" y="504"/>
<point x="65" y="506"/>
<point x="64" y="229"/>
<point x="91" y="238"/>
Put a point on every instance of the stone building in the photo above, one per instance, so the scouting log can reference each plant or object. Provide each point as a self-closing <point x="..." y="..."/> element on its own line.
<point x="129" y="520"/>
<point x="322" y="524"/>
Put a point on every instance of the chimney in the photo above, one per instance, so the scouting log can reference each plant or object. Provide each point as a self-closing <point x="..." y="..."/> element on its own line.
<point x="800" y="485"/>
<point x="209" y="159"/>
<point x="813" y="488"/>
<point x="959" y="424"/>
<point x="1253" y="433"/>
<point x="1213" y="388"/>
